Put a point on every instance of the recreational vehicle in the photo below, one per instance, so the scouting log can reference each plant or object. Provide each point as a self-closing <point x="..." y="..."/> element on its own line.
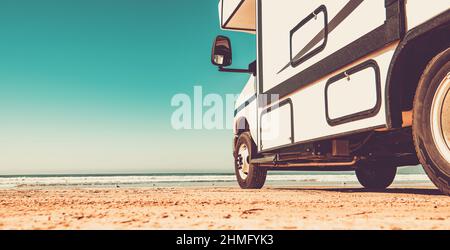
<point x="353" y="85"/>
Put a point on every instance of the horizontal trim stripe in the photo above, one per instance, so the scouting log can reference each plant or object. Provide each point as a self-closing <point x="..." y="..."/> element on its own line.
<point x="332" y="25"/>
<point x="373" y="41"/>
<point x="245" y="104"/>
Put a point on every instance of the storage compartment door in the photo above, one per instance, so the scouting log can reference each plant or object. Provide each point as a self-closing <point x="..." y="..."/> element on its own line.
<point x="354" y="94"/>
<point x="277" y="126"/>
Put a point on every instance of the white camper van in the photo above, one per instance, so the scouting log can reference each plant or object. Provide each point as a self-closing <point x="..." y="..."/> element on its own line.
<point x="359" y="85"/>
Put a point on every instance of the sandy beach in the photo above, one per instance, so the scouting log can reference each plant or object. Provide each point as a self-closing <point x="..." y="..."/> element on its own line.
<point x="223" y="208"/>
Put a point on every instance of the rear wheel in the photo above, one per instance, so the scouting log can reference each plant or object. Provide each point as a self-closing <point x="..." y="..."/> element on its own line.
<point x="248" y="175"/>
<point x="376" y="176"/>
<point x="431" y="121"/>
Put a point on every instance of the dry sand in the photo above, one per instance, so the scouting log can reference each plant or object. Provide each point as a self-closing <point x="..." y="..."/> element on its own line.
<point x="223" y="208"/>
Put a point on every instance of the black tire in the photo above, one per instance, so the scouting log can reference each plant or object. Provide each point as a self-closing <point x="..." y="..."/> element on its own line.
<point x="433" y="162"/>
<point x="256" y="177"/>
<point x="376" y="176"/>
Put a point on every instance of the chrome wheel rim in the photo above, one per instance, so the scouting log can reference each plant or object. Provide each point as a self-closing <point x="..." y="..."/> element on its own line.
<point x="243" y="161"/>
<point x="440" y="118"/>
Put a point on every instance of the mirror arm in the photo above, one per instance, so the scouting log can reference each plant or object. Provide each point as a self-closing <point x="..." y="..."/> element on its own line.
<point x="247" y="71"/>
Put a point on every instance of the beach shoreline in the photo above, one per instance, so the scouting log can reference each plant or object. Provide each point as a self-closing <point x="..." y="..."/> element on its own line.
<point x="419" y="206"/>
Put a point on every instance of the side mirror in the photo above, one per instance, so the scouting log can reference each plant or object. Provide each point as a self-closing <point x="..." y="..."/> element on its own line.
<point x="221" y="52"/>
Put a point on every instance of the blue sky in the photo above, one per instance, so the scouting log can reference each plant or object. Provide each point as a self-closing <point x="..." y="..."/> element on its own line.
<point x="86" y="85"/>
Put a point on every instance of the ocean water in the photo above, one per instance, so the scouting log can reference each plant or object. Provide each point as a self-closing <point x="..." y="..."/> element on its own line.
<point x="404" y="177"/>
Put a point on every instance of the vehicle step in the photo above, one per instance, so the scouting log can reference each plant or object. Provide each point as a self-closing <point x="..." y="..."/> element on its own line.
<point x="264" y="160"/>
<point x="279" y="164"/>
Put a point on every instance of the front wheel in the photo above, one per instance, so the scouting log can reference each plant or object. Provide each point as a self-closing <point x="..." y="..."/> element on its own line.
<point x="376" y="176"/>
<point x="248" y="175"/>
<point x="431" y="121"/>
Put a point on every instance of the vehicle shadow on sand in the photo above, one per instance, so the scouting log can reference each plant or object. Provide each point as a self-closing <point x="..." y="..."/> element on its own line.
<point x="420" y="191"/>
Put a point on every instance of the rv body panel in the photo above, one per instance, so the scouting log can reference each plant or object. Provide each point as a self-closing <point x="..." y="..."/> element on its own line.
<point x="345" y="22"/>
<point x="246" y="109"/>
<point x="311" y="105"/>
<point x="309" y="32"/>
<point x="294" y="37"/>
<point x="419" y="11"/>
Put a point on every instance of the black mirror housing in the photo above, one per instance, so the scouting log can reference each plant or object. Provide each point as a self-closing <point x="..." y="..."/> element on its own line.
<point x="221" y="52"/>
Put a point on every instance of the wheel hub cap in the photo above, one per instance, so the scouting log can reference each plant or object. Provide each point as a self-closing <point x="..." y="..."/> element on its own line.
<point x="440" y="118"/>
<point x="243" y="161"/>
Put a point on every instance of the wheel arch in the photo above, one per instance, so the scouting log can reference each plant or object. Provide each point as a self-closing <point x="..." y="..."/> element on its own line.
<point x="241" y="125"/>
<point x="432" y="38"/>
